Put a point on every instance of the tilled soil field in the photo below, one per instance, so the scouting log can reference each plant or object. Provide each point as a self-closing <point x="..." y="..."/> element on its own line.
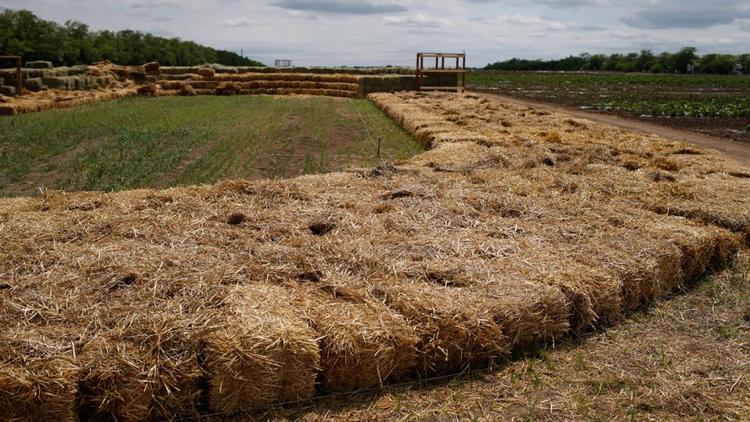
<point x="518" y="228"/>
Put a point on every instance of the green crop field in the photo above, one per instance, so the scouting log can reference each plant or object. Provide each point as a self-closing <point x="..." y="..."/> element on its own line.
<point x="713" y="104"/>
<point x="155" y="142"/>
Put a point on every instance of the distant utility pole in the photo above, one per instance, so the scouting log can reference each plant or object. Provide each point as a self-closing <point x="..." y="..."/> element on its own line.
<point x="242" y="53"/>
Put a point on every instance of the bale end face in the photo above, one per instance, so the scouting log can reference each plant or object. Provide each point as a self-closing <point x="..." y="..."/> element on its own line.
<point x="262" y="354"/>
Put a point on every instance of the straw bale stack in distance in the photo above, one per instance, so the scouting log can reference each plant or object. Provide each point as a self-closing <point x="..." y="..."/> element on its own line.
<point x="303" y="77"/>
<point x="517" y="228"/>
<point x="51" y="99"/>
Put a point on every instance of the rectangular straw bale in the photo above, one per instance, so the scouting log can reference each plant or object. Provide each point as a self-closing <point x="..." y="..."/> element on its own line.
<point x="178" y="70"/>
<point x="300" y="85"/>
<point x="172" y="84"/>
<point x="702" y="247"/>
<point x="204" y="91"/>
<point x="262" y="351"/>
<point x="462" y="156"/>
<point x="720" y="199"/>
<point x="526" y="228"/>
<point x="248" y="77"/>
<point x="113" y="381"/>
<point x="38" y="374"/>
<point x="204" y="84"/>
<point x="146" y="369"/>
<point x="650" y="255"/>
<point x="456" y="328"/>
<point x="654" y="256"/>
<point x="594" y="296"/>
<point x="362" y="342"/>
<point x="531" y="314"/>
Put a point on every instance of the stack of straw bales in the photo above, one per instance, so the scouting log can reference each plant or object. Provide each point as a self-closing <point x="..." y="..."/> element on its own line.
<point x="334" y="85"/>
<point x="517" y="229"/>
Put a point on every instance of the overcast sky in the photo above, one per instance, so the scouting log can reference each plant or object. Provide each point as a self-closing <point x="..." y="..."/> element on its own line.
<point x="378" y="32"/>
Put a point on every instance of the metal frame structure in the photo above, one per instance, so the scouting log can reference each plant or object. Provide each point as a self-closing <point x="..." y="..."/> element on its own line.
<point x="19" y="82"/>
<point x="440" y="69"/>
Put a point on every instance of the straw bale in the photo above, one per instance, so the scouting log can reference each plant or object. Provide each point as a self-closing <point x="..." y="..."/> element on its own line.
<point x="362" y="342"/>
<point x="52" y="99"/>
<point x="204" y="91"/>
<point x="300" y="77"/>
<point x="187" y="90"/>
<point x="145" y="369"/>
<point x="178" y="70"/>
<point x="299" y="85"/>
<point x="172" y="84"/>
<point x="227" y="88"/>
<point x="300" y="91"/>
<point x="207" y="73"/>
<point x="148" y="89"/>
<point x="455" y="330"/>
<point x="262" y="353"/>
<point x="38" y="373"/>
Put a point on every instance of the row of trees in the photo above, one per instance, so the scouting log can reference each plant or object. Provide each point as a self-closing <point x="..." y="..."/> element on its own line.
<point x="24" y="34"/>
<point x="684" y="61"/>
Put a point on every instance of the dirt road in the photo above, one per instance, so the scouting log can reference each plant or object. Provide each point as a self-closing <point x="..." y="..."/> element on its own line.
<point x="738" y="151"/>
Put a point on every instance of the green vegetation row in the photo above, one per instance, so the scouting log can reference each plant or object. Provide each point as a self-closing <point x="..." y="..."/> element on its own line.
<point x="684" y="61"/>
<point x="24" y="34"/>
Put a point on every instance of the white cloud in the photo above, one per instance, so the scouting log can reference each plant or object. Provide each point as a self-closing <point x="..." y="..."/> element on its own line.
<point x="239" y="23"/>
<point x="417" y="21"/>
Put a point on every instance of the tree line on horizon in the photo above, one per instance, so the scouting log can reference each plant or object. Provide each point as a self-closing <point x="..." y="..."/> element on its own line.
<point x="24" y="34"/>
<point x="684" y="61"/>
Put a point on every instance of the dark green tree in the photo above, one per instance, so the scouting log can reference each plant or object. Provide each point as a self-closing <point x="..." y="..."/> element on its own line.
<point x="24" y="34"/>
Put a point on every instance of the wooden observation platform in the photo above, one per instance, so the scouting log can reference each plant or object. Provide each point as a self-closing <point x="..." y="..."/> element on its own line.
<point x="441" y="77"/>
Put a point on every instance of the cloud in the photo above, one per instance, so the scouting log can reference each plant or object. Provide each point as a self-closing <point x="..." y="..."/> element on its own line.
<point x="674" y="14"/>
<point x="152" y="4"/>
<point x="238" y="23"/>
<point x="539" y="23"/>
<point x="549" y="3"/>
<point x="417" y="21"/>
<point x="349" y="7"/>
<point x="160" y="19"/>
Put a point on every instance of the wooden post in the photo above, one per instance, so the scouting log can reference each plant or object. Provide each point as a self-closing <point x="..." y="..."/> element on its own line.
<point x="19" y="82"/>
<point x="19" y="75"/>
<point x="419" y="72"/>
<point x="380" y="142"/>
